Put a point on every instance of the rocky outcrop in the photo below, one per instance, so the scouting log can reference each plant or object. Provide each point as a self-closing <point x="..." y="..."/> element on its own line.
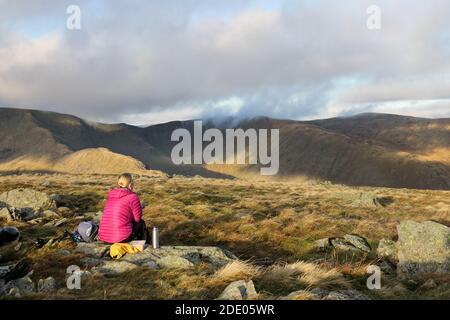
<point x="194" y="254"/>
<point x="180" y="257"/>
<point x="423" y="248"/>
<point x="363" y="199"/>
<point x="358" y="242"/>
<point x="19" y="287"/>
<point x="239" y="290"/>
<point x="349" y="243"/>
<point x="27" y="200"/>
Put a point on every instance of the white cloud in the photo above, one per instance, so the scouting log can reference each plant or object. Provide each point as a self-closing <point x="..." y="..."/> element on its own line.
<point x="153" y="61"/>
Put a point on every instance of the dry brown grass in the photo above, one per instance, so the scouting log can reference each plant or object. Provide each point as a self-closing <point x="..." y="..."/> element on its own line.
<point x="254" y="220"/>
<point x="237" y="270"/>
<point x="306" y="274"/>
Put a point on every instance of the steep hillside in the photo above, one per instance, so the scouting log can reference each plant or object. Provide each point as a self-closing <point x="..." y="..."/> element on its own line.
<point x="426" y="137"/>
<point x="368" y="149"/>
<point x="307" y="150"/>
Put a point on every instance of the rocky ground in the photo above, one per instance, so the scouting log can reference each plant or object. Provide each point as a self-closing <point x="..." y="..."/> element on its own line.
<point x="227" y="239"/>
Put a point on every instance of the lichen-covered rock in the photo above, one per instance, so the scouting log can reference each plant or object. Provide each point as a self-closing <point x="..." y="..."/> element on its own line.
<point x="322" y="244"/>
<point x="358" y="242"/>
<point x="27" y="200"/>
<point x="363" y="199"/>
<point x="343" y="245"/>
<point x="195" y="254"/>
<point x="239" y="290"/>
<point x="423" y="248"/>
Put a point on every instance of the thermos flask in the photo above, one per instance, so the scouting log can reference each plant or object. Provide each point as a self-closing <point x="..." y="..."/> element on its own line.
<point x="155" y="238"/>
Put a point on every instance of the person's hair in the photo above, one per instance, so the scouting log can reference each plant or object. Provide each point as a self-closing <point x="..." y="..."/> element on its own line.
<point x="124" y="180"/>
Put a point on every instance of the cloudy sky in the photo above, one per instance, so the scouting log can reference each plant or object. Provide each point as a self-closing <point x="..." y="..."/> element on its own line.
<point x="149" y="61"/>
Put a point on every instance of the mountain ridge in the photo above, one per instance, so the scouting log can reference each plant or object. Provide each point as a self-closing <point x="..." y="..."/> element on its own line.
<point x="366" y="149"/>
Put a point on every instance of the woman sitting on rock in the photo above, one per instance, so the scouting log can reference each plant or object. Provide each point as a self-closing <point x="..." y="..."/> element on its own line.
<point x="122" y="215"/>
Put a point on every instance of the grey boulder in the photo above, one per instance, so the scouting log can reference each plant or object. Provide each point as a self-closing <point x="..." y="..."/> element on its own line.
<point x="423" y="248"/>
<point x="27" y="200"/>
<point x="239" y="290"/>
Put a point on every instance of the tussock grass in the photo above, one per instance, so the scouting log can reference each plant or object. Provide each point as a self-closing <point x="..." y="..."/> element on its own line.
<point x="303" y="274"/>
<point x="237" y="270"/>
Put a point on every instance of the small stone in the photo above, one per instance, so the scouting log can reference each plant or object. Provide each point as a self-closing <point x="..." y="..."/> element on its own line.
<point x="15" y="292"/>
<point x="49" y="214"/>
<point x="45" y="285"/>
<point x="343" y="245"/>
<point x="239" y="290"/>
<point x="24" y="285"/>
<point x="61" y="222"/>
<point x="36" y="221"/>
<point x="428" y="285"/>
<point x="399" y="289"/>
<point x="64" y="211"/>
<point x="335" y="295"/>
<point x="64" y="252"/>
<point x="322" y="244"/>
<point x="5" y="215"/>
<point x="358" y="242"/>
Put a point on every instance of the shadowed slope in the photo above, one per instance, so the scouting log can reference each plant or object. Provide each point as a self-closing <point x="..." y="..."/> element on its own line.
<point x="369" y="149"/>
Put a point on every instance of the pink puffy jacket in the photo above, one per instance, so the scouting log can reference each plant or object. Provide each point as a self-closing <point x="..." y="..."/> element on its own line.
<point x="122" y="209"/>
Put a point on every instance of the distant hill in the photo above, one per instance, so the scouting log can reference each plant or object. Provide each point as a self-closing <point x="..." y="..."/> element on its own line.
<point x="38" y="140"/>
<point x="367" y="149"/>
<point x="349" y="155"/>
